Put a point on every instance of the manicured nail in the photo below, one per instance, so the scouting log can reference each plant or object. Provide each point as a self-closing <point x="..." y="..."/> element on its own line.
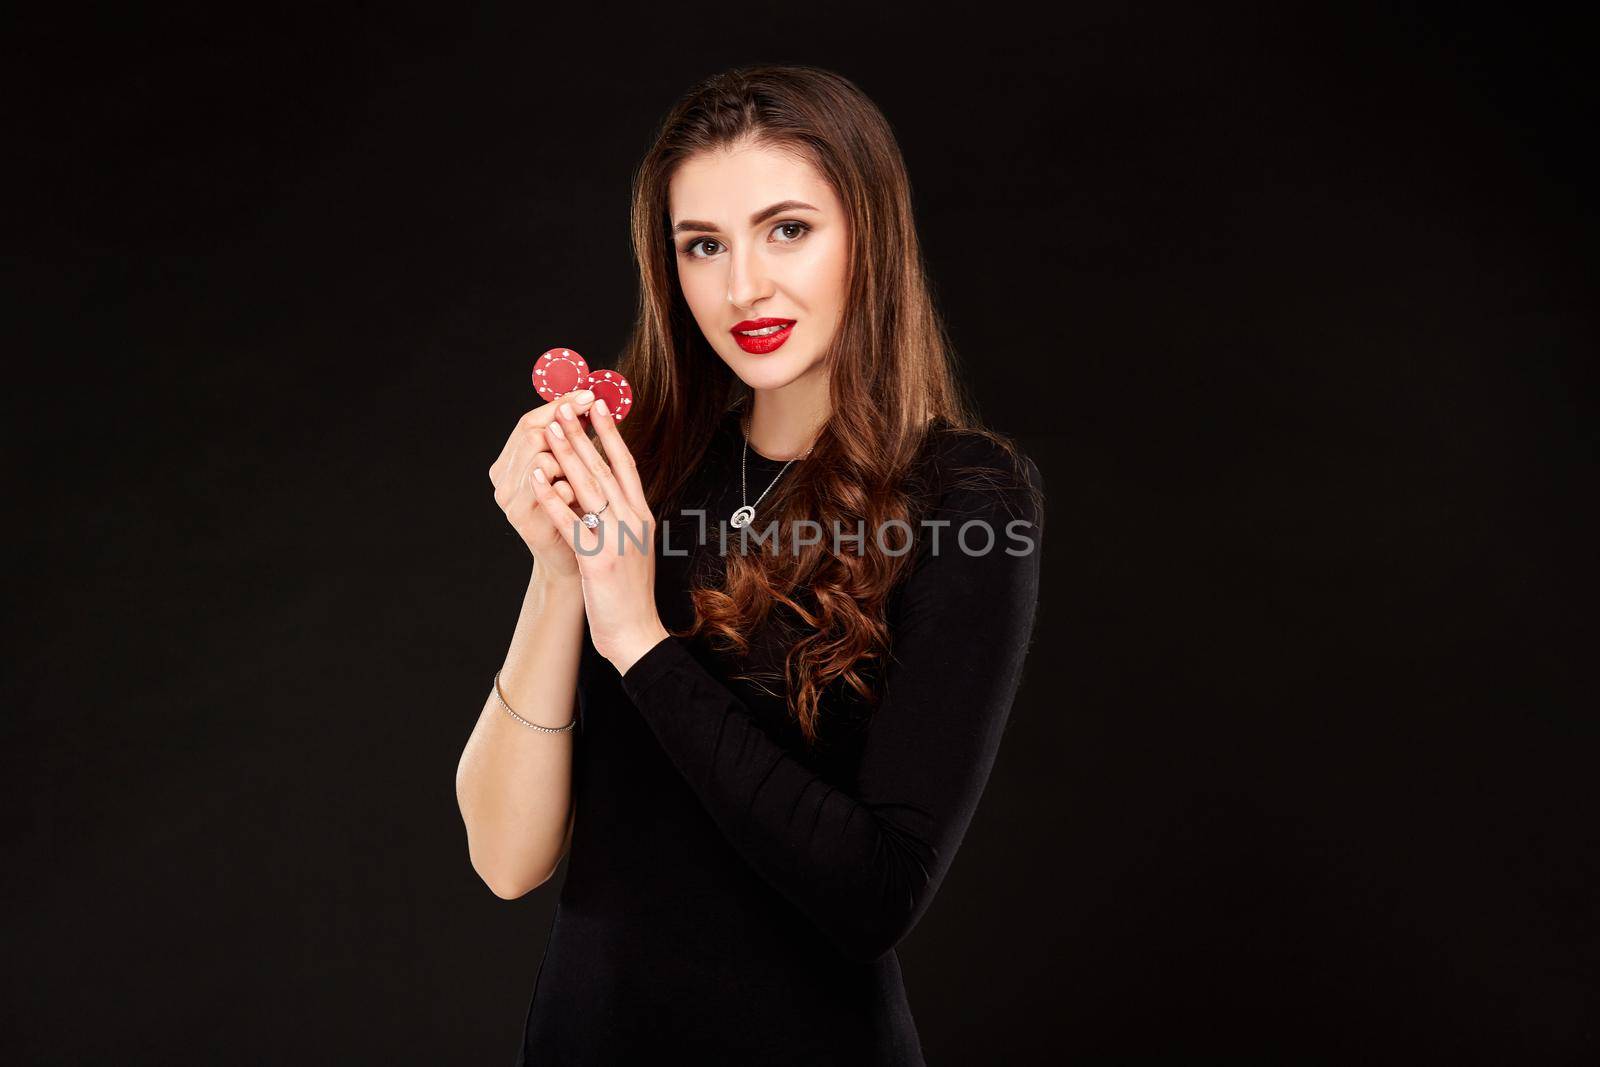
<point x="600" y="406"/>
<point x="566" y="410"/>
<point x="583" y="396"/>
<point x="538" y="475"/>
<point x="555" y="428"/>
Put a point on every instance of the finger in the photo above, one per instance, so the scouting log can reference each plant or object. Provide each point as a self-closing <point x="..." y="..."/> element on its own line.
<point x="566" y="437"/>
<point x="541" y="416"/>
<point x="528" y="463"/>
<point x="597" y="466"/>
<point x="533" y="429"/>
<point x="528" y="438"/>
<point x="560" y="512"/>
<point x="620" y="459"/>
<point x="548" y="463"/>
<point x="529" y="500"/>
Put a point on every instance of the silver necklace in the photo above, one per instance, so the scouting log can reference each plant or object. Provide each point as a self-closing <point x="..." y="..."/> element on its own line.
<point x="747" y="512"/>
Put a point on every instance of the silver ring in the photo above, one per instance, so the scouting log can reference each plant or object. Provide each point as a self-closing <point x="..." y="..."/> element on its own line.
<point x="591" y="519"/>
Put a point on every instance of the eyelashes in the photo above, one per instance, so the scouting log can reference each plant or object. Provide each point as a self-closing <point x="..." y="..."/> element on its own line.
<point x="687" y="251"/>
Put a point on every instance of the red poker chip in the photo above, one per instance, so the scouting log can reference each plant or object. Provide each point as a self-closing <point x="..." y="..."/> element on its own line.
<point x="558" y="372"/>
<point x="613" y="388"/>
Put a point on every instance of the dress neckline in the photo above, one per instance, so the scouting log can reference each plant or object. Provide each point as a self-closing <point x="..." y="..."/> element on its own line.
<point x="735" y="430"/>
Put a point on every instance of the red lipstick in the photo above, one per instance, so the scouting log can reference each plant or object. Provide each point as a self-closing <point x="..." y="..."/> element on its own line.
<point x="762" y="343"/>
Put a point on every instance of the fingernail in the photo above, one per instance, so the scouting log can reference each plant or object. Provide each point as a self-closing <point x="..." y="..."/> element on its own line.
<point x="583" y="396"/>
<point x="600" y="406"/>
<point x="566" y="410"/>
<point x="538" y="475"/>
<point x="555" y="428"/>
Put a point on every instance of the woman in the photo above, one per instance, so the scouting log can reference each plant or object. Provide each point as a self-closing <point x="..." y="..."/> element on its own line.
<point x="762" y="742"/>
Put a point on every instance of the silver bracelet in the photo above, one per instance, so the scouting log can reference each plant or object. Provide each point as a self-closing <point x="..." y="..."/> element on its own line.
<point x="525" y="722"/>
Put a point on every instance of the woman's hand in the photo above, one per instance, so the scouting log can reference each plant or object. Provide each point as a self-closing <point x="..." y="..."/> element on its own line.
<point x="617" y="559"/>
<point x="527" y="450"/>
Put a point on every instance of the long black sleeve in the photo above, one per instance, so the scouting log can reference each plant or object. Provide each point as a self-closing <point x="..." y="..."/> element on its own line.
<point x="865" y="867"/>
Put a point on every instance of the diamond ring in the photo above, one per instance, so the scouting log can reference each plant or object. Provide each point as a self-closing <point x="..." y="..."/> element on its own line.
<point x="591" y="519"/>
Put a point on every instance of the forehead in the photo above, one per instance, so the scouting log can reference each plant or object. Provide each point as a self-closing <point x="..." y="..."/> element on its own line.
<point x="727" y="187"/>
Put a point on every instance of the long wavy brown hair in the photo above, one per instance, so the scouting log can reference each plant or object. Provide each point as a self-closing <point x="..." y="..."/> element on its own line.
<point x="900" y="380"/>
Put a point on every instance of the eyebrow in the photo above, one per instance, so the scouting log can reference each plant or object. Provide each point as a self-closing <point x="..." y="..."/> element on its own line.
<point x="755" y="220"/>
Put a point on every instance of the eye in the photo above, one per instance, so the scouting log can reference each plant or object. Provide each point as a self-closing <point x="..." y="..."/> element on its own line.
<point x="688" y="250"/>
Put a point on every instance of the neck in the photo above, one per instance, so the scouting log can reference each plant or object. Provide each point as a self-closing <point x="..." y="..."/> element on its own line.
<point x="785" y="422"/>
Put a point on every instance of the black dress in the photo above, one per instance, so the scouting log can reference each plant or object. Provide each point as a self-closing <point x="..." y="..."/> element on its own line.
<point x="733" y="895"/>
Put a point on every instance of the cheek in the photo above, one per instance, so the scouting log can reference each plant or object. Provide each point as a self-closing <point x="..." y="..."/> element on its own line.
<point x="699" y="291"/>
<point x="825" y="276"/>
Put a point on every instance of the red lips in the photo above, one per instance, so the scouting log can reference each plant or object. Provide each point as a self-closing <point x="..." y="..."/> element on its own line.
<point x="758" y="346"/>
<point x="758" y="324"/>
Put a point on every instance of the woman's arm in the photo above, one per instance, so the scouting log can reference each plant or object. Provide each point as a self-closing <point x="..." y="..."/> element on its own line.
<point x="514" y="784"/>
<point x="865" y="867"/>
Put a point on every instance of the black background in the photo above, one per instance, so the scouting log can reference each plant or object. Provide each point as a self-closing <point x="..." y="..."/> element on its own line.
<point x="1293" y="310"/>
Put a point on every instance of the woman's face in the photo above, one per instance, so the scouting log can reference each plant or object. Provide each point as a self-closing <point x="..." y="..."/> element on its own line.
<point x="739" y="261"/>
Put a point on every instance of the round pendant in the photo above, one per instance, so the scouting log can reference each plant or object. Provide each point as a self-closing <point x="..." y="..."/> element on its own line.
<point x="742" y="517"/>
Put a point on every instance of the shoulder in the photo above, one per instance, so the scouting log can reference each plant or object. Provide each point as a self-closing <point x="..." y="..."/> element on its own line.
<point x="980" y="472"/>
<point x="979" y="532"/>
<point x="980" y="508"/>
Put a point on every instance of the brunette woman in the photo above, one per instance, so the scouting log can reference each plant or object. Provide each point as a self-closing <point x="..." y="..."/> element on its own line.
<point x="777" y="616"/>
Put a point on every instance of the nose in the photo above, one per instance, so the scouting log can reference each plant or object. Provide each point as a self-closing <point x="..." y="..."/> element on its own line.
<point x="748" y="281"/>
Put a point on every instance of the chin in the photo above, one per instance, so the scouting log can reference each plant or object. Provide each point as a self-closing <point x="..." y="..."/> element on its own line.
<point x="772" y="371"/>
